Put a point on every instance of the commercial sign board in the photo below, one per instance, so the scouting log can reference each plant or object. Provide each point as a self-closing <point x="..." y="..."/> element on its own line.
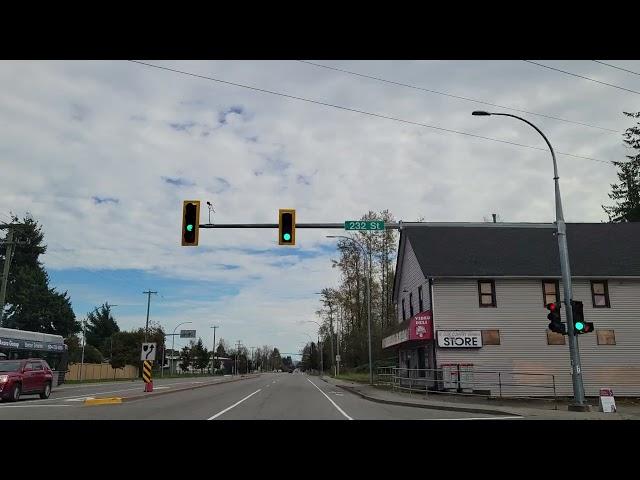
<point x="459" y="338"/>
<point x="420" y="327"/>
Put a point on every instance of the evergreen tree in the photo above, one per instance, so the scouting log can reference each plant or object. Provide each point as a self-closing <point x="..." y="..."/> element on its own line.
<point x="627" y="192"/>
<point x="32" y="303"/>
<point x="100" y="327"/>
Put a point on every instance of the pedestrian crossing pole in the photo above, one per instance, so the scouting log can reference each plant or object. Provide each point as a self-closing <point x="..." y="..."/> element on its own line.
<point x="146" y="376"/>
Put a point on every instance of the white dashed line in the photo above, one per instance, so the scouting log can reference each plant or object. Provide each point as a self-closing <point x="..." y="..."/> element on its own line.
<point x="478" y="418"/>
<point x="334" y="403"/>
<point x="234" y="405"/>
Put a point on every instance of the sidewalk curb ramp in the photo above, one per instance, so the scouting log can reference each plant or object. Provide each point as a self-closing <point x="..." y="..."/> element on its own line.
<point x="449" y="408"/>
<point x="106" y="401"/>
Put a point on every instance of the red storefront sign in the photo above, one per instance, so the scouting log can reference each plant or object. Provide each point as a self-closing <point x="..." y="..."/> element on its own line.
<point x="421" y="326"/>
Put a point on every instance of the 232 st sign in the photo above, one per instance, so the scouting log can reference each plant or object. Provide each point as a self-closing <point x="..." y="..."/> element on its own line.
<point x="364" y="225"/>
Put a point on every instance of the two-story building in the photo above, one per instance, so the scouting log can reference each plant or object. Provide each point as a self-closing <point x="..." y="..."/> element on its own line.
<point x="475" y="296"/>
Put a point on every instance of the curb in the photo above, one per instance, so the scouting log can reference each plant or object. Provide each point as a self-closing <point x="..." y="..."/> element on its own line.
<point x="166" y="392"/>
<point x="103" y="401"/>
<point x="422" y="405"/>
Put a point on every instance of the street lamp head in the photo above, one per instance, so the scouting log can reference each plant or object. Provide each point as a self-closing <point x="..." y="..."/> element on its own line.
<point x="480" y="113"/>
<point x="331" y="236"/>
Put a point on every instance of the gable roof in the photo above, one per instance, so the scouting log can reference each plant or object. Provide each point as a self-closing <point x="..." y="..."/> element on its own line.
<point x="595" y="250"/>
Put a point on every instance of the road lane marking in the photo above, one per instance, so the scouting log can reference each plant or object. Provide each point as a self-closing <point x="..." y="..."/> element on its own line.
<point x="512" y="417"/>
<point x="234" y="405"/>
<point x="79" y="399"/>
<point x="32" y="406"/>
<point x="117" y="391"/>
<point x="334" y="403"/>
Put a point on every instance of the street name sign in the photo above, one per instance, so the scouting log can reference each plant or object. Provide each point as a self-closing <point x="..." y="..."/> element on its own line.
<point x="364" y="225"/>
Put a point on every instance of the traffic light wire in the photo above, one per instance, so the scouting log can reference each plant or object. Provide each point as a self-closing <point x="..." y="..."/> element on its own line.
<point x="363" y="112"/>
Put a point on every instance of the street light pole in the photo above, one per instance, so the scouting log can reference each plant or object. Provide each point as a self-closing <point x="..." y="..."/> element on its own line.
<point x="561" y="230"/>
<point x="173" y="346"/>
<point x="368" y="298"/>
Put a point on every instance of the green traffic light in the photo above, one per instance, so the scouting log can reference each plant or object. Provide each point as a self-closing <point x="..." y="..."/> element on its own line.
<point x="287" y="236"/>
<point x="579" y="326"/>
<point x="189" y="227"/>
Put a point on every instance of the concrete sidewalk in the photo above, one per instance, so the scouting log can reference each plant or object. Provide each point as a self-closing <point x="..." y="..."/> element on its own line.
<point x="382" y="395"/>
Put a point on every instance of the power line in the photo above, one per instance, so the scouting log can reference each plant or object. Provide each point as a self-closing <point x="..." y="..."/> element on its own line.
<point x="455" y="96"/>
<point x="585" y="78"/>
<point x="395" y="119"/>
<point x="619" y="68"/>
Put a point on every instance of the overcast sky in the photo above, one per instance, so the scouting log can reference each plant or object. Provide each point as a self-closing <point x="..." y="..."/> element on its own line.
<point x="102" y="153"/>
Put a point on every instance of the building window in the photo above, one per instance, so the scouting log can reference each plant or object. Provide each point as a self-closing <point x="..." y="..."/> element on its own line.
<point x="404" y="312"/>
<point x="411" y="304"/>
<point x="606" y="337"/>
<point x="550" y="291"/>
<point x="487" y="293"/>
<point x="600" y="294"/>
<point x="420" y="304"/>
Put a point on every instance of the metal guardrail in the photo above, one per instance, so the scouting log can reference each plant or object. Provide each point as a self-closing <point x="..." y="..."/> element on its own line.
<point x="446" y="381"/>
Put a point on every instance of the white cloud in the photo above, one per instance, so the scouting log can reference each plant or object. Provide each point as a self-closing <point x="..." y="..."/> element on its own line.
<point x="77" y="130"/>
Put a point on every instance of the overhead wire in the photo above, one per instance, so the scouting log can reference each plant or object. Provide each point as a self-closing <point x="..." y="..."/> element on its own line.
<point x="364" y="112"/>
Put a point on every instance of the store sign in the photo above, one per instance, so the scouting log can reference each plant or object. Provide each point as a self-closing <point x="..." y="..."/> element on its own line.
<point x="30" y="345"/>
<point x="421" y="326"/>
<point x="459" y="338"/>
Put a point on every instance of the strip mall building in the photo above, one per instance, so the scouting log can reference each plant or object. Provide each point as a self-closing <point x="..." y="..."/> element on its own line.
<point x="472" y="299"/>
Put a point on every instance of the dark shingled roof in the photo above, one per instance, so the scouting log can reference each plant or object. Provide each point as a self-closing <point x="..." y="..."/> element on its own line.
<point x="595" y="250"/>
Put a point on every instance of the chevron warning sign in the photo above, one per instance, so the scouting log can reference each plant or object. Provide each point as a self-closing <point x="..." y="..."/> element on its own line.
<point x="146" y="376"/>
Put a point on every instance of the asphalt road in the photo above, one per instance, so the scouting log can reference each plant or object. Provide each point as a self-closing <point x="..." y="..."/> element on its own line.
<point x="282" y="396"/>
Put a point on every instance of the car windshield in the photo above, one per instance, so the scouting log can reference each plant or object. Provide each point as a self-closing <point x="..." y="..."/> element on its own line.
<point x="9" y="366"/>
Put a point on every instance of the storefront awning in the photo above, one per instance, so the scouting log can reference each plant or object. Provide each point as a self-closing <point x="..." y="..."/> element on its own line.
<point x="419" y="327"/>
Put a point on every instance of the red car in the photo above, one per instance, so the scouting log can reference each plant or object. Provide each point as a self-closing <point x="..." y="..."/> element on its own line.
<point x="30" y="376"/>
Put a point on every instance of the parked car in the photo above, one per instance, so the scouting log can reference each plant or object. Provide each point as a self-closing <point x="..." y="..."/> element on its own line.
<point x="31" y="376"/>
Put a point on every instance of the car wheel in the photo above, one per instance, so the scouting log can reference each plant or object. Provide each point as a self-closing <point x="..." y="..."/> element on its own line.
<point x="47" y="391"/>
<point x="15" y="393"/>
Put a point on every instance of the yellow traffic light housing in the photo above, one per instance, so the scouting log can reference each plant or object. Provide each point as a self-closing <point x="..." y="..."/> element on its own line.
<point x="190" y="222"/>
<point x="286" y="226"/>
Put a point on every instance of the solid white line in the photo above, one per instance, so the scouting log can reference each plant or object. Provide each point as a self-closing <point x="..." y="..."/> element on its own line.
<point x="32" y="406"/>
<point x="232" y="406"/>
<point x="478" y="418"/>
<point x="334" y="403"/>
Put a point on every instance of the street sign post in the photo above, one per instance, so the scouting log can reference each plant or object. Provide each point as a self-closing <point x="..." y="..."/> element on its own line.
<point x="364" y="225"/>
<point x="187" y="334"/>
<point x="148" y="352"/>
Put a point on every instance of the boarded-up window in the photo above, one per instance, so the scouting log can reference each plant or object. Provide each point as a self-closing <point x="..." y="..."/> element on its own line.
<point x="490" y="337"/>
<point x="600" y="294"/>
<point x="554" y="338"/>
<point x="550" y="292"/>
<point x="606" y="337"/>
<point x="487" y="293"/>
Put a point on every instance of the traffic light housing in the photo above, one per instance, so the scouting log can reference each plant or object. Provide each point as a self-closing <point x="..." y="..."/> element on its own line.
<point x="286" y="226"/>
<point x="556" y="324"/>
<point x="579" y="325"/>
<point x="190" y="222"/>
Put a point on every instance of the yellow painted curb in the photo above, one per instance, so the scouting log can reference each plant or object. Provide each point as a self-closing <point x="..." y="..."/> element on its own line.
<point x="103" y="401"/>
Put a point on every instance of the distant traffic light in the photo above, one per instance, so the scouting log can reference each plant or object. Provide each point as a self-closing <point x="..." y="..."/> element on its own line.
<point x="190" y="222"/>
<point x="579" y="325"/>
<point x="556" y="324"/>
<point x="286" y="227"/>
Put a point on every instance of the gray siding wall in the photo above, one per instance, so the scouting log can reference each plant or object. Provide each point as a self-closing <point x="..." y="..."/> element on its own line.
<point x="521" y="318"/>
<point x="411" y="278"/>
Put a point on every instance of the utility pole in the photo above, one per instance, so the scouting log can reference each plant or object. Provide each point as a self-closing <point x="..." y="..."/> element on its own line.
<point x="213" y="352"/>
<point x="7" y="263"/>
<point x="237" y="353"/>
<point x="84" y="330"/>
<point x="252" y="360"/>
<point x="146" y="330"/>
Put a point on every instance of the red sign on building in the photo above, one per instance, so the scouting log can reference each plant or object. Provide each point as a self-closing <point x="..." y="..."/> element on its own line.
<point x="421" y="326"/>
